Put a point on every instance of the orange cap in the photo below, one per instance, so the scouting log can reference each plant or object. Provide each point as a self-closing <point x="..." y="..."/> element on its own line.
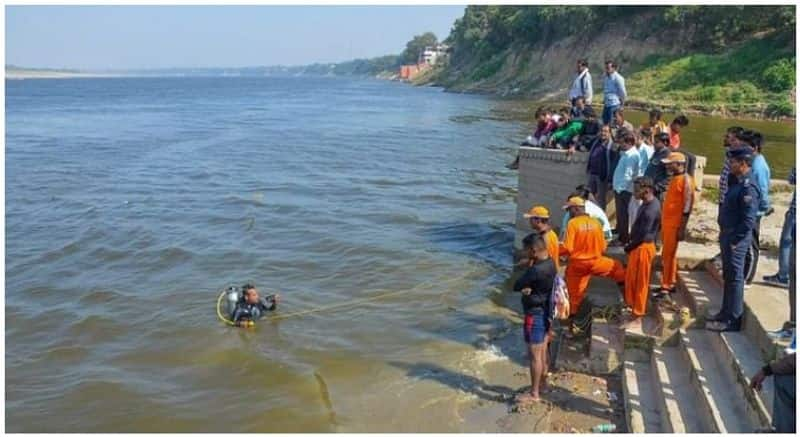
<point x="674" y="157"/>
<point x="537" y="211"/>
<point x="575" y="201"/>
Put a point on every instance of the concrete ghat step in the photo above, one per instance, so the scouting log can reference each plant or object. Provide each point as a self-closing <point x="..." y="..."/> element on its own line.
<point x="742" y="361"/>
<point x="606" y="347"/>
<point x="703" y="293"/>
<point x="638" y="388"/>
<point x="724" y="409"/>
<point x="765" y="310"/>
<point x="675" y="398"/>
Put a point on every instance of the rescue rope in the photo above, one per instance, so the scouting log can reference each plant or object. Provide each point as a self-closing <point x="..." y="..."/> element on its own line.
<point x="610" y="313"/>
<point x="219" y="310"/>
<point x="359" y="301"/>
<point x="350" y="303"/>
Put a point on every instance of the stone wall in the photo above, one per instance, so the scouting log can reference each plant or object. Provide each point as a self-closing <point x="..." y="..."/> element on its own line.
<point x="547" y="177"/>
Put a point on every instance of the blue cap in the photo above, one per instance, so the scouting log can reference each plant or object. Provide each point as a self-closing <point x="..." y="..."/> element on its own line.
<point x="744" y="152"/>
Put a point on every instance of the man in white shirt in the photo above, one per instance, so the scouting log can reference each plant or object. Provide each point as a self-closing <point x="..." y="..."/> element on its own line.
<point x="582" y="84"/>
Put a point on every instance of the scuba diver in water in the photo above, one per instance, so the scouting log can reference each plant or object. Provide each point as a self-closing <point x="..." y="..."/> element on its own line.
<point x="251" y="307"/>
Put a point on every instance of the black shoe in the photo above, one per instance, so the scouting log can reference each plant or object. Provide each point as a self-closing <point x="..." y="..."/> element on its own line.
<point x="730" y="326"/>
<point x="718" y="317"/>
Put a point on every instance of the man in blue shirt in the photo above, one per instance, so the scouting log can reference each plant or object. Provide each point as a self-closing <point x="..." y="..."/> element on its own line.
<point x="614" y="93"/>
<point x="737" y="220"/>
<point x="781" y="279"/>
<point x="627" y="170"/>
<point x="761" y="177"/>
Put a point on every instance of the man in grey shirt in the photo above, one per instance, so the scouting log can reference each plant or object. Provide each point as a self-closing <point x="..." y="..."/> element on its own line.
<point x="614" y="93"/>
<point x="582" y="84"/>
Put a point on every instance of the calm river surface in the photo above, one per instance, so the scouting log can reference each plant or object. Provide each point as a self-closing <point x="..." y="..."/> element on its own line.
<point x="130" y="202"/>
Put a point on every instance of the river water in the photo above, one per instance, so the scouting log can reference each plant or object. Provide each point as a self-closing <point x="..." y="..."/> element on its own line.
<point x="130" y="202"/>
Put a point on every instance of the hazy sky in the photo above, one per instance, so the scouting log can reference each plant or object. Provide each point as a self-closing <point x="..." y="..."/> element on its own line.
<point x="99" y="37"/>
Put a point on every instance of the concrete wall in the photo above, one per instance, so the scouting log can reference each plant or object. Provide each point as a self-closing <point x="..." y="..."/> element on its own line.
<point x="547" y="177"/>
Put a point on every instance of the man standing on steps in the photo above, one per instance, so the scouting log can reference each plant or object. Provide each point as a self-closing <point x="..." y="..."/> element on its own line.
<point x="761" y="176"/>
<point x="582" y="85"/>
<point x="614" y="93"/>
<point x="678" y="203"/>
<point x="600" y="166"/>
<point x="736" y="221"/>
<point x="783" y="406"/>
<point x="656" y="169"/>
<point x="641" y="249"/>
<point x="626" y="171"/>
<point x="584" y="244"/>
<point x="731" y="142"/>
<point x="781" y="279"/>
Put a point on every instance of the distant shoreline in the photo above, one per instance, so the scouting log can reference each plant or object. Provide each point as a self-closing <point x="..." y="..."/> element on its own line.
<point x="50" y="74"/>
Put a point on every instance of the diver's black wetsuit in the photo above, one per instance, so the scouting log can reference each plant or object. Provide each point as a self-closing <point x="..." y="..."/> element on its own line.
<point x="246" y="311"/>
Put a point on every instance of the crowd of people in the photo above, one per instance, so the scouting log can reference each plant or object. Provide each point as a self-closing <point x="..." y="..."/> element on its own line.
<point x="650" y="178"/>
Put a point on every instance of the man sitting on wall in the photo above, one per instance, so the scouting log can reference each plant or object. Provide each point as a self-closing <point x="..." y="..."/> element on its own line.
<point x="545" y="125"/>
<point x="564" y="136"/>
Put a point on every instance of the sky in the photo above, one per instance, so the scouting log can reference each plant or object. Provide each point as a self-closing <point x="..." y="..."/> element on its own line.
<point x="134" y="37"/>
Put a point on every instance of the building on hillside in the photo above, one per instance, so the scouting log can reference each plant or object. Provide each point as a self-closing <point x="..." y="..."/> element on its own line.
<point x="427" y="58"/>
<point x="430" y="55"/>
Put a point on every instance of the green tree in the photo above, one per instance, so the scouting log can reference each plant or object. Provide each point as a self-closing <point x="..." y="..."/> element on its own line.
<point x="417" y="44"/>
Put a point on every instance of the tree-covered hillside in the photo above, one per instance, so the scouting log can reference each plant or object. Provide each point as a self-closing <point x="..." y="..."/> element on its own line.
<point x="734" y="58"/>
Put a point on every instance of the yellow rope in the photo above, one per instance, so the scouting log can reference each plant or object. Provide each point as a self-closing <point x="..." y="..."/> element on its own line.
<point x="356" y="302"/>
<point x="219" y="311"/>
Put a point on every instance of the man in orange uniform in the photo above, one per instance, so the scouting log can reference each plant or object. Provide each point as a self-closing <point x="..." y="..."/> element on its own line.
<point x="584" y="244"/>
<point x="641" y="249"/>
<point x="539" y="217"/>
<point x="678" y="202"/>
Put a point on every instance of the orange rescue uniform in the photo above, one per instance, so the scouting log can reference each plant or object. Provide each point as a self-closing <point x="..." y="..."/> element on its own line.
<point x="585" y="243"/>
<point x="678" y="201"/>
<point x="637" y="277"/>
<point x="551" y="239"/>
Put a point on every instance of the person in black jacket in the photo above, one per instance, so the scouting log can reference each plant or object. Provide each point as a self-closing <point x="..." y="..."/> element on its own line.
<point x="252" y="307"/>
<point x="641" y="250"/>
<point x="600" y="165"/>
<point x="591" y="129"/>
<point x="536" y="286"/>
<point x="656" y="169"/>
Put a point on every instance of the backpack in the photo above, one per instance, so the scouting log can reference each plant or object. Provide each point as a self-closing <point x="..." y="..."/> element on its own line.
<point x="559" y="299"/>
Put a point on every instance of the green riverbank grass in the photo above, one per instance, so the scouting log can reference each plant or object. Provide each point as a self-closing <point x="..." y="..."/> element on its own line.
<point x="752" y="78"/>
